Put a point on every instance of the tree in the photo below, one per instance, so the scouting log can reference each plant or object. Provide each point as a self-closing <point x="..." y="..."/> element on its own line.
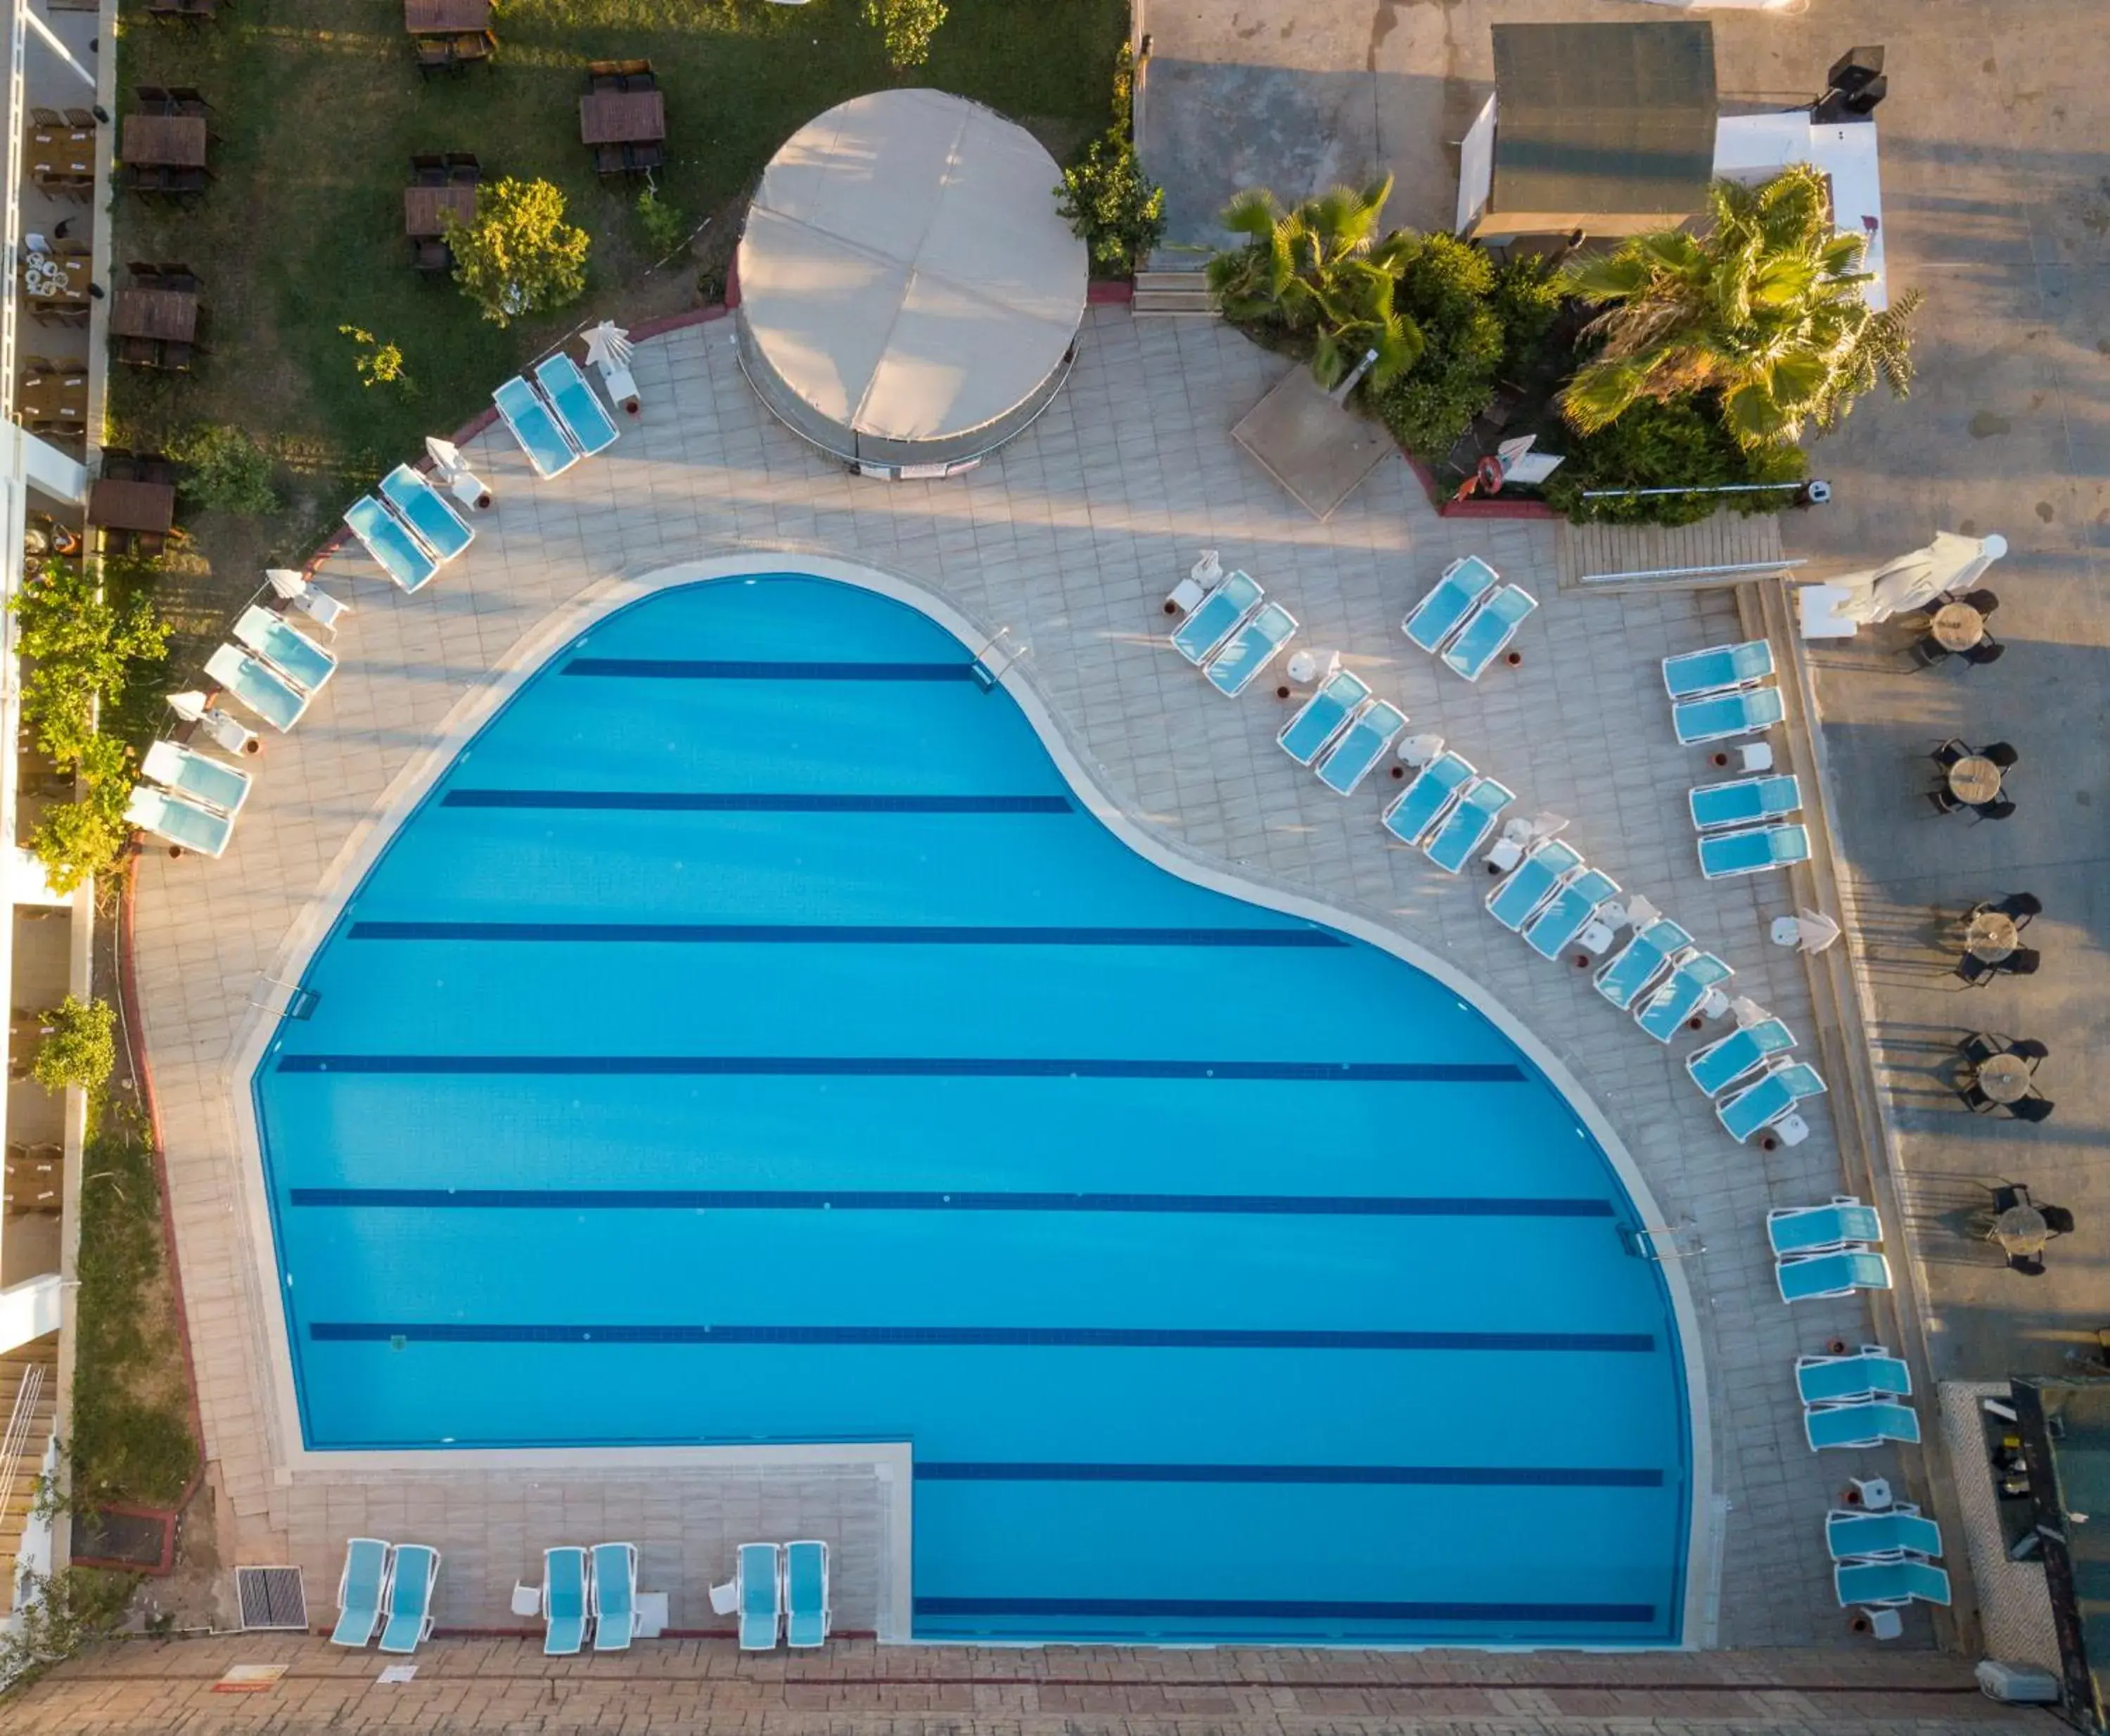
<point x="517" y="255"/>
<point x="84" y="646"/>
<point x="1321" y="268"/>
<point x="907" y="27"/>
<point x="1766" y="308"/>
<point x="1106" y="198"/>
<point x="81" y="1047"/>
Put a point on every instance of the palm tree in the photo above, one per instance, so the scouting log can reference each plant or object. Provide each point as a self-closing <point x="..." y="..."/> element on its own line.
<point x="1765" y="309"/>
<point x="1321" y="268"/>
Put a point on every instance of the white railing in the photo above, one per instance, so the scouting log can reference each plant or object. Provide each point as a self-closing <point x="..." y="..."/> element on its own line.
<point x="15" y="1443"/>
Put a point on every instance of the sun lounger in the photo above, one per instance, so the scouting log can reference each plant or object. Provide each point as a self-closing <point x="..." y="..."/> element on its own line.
<point x="1869" y="1373"/>
<point x="1544" y="869"/>
<point x="760" y="1582"/>
<point x="806" y="1612"/>
<point x="361" y="1589"/>
<point x="1456" y="595"/>
<point x="187" y="824"/>
<point x="1889" y="1582"/>
<point x="1494" y="624"/>
<point x="1844" y="1222"/>
<point x="1361" y="746"/>
<point x="1720" y="1064"/>
<point x="535" y="425"/>
<point x="591" y="428"/>
<point x="1866" y="1425"/>
<point x="1465" y="827"/>
<point x="615" y="1596"/>
<point x="1568" y="911"/>
<point x="1744" y="801"/>
<point x="1853" y="1535"/>
<point x="1661" y="946"/>
<point x="1691" y="673"/>
<point x="1216" y="617"/>
<point x="1257" y="642"/>
<point x="257" y="685"/>
<point x="1321" y="718"/>
<point x="413" y="1573"/>
<point x="1774" y="1093"/>
<point x="1722" y="717"/>
<point x="1807" y="1276"/>
<point x="1725" y="854"/>
<point x="388" y="540"/>
<point x="286" y="648"/>
<point x="1681" y="995"/>
<point x="212" y="782"/>
<point x="1411" y="813"/>
<point x="426" y="510"/>
<point x="564" y="1600"/>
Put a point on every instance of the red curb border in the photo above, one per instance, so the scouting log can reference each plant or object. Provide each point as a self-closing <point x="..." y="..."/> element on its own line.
<point x="1474" y="508"/>
<point x="1108" y="292"/>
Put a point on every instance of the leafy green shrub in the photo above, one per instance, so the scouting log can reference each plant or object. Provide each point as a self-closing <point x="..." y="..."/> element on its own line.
<point x="228" y="471"/>
<point x="1106" y="198"/>
<point x="81" y="1047"/>
<point x="1446" y="289"/>
<point x="378" y="364"/>
<point x="665" y="227"/>
<point x="1658" y="445"/>
<point x="517" y="255"/>
<point x="85" y="646"/>
<point x="907" y="27"/>
<point x="61" y="1614"/>
<point x="1528" y="296"/>
<point x="1124" y="115"/>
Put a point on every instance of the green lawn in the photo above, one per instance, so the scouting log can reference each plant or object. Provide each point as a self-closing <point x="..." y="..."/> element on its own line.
<point x="318" y="107"/>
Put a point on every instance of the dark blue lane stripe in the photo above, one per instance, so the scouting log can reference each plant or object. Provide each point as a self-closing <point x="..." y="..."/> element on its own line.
<point x="734" y="801"/>
<point x="916" y="1066"/>
<point x="675" y="668"/>
<point x="1081" y="1338"/>
<point x="1474" y="1476"/>
<point x="1233" y="1608"/>
<point x="787" y="1199"/>
<point x="816" y="934"/>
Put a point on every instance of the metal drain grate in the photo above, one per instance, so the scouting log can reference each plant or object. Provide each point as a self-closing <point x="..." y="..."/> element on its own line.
<point x="271" y="1598"/>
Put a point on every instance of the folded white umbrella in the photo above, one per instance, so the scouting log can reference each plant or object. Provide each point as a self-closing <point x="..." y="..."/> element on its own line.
<point x="608" y="345"/>
<point x="1950" y="563"/>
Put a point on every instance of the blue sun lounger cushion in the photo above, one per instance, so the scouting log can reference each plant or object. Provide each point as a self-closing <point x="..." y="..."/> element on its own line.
<point x="384" y="536"/>
<point x="564" y="1600"/>
<point x="591" y="428"/>
<point x="1487" y="634"/>
<point x="1324" y="716"/>
<point x="806" y="1612"/>
<point x="1843" y="1223"/>
<point x="1443" y="610"/>
<point x="1744" y="801"/>
<point x="1542" y="873"/>
<point x="1720" y="1064"/>
<point x="212" y="782"/>
<point x="413" y="1573"/>
<point x="1361" y="746"/>
<point x="1428" y="798"/>
<point x="1852" y="1535"/>
<point x="615" y="1596"/>
<point x="360" y="1590"/>
<point x="1691" y="673"/>
<point x="257" y="685"/>
<point x="286" y="648"/>
<point x="1465" y="827"/>
<point x="1258" y="641"/>
<point x="1775" y="1094"/>
<point x="1661" y="946"/>
<point x="1680" y="995"/>
<point x="1216" y="617"/>
<point x="188" y="824"/>
<point x="1889" y="1582"/>
<point x="431" y="516"/>
<point x="1872" y="1372"/>
<point x="1568" y="911"/>
<point x="535" y="425"/>
<point x="758" y="1584"/>
<point x="1725" y="854"/>
<point x="1722" y="717"/>
<point x="1867" y="1425"/>
<point x="1807" y="1276"/>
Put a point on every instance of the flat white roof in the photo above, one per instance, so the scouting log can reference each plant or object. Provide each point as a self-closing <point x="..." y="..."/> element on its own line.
<point x="1755" y="147"/>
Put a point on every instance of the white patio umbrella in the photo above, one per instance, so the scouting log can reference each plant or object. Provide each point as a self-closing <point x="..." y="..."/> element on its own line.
<point x="1948" y="563"/>
<point x="608" y="345"/>
<point x="445" y="455"/>
<point x="1815" y="930"/>
<point x="230" y="734"/>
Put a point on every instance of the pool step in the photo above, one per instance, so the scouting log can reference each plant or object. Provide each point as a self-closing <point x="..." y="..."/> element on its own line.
<point x="1174" y="293"/>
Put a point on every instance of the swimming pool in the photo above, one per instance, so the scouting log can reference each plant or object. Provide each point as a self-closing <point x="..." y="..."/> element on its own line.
<point x="752" y="1037"/>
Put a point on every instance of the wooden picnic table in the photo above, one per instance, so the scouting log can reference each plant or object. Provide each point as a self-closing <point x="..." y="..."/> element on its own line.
<point x="446" y="17"/>
<point x="59" y="152"/>
<point x="56" y="396"/>
<point x="168" y="314"/>
<point x="423" y="208"/>
<point x="621" y="117"/>
<point x="165" y="141"/>
<point x="131" y="505"/>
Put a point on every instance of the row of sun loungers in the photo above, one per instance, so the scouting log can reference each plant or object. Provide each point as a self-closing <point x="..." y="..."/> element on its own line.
<point x="1233" y="633"/>
<point x="780" y="1590"/>
<point x="1469" y="617"/>
<point x="1722" y="692"/>
<point x="388" y="1586"/>
<point x="1884" y="1560"/>
<point x="583" y="1590"/>
<point x="409" y="528"/>
<point x="557" y="418"/>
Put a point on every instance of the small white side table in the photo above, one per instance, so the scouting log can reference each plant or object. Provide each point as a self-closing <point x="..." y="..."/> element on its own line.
<point x="467" y="487"/>
<point x="651" y="1613"/>
<point x="621" y="387"/>
<point x="527" y="1600"/>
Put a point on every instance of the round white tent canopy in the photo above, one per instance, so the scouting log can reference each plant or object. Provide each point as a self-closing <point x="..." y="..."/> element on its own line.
<point x="908" y="296"/>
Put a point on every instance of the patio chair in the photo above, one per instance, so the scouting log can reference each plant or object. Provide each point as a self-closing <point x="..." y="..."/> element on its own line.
<point x="1844" y="1222"/>
<point x="1320" y="719"/>
<point x="1984" y="601"/>
<point x="1807" y="1277"/>
<point x="590" y="425"/>
<point x="153" y="98"/>
<point x="1487" y="633"/>
<point x="414" y="1572"/>
<point x="615" y="1596"/>
<point x="2005" y="754"/>
<point x="1723" y="855"/>
<point x="806" y="1612"/>
<point x="1719" y="667"/>
<point x="1988" y="650"/>
<point x="1867" y="1423"/>
<point x="188" y="99"/>
<point x="1444" y="610"/>
<point x="1562" y="919"/>
<point x="2035" y="1108"/>
<point x="428" y="169"/>
<point x="434" y="55"/>
<point x="1744" y="801"/>
<point x="1546" y="869"/>
<point x="1661" y="946"/>
<point x="1412" y="814"/>
<point x="1769" y="1098"/>
<point x="1257" y="642"/>
<point x="608" y="158"/>
<point x="758" y="1580"/>
<point x="1943" y="800"/>
<point x="430" y="515"/>
<point x="1465" y="827"/>
<point x="258" y="686"/>
<point x="1881" y="1582"/>
<point x="549" y="449"/>
<point x="1870" y="1372"/>
<point x="1689" y="991"/>
<point x="463" y="168"/>
<point x="564" y="1600"/>
<point x="212" y="783"/>
<point x="285" y="647"/>
<point x="2022" y="962"/>
<point x="2021" y="906"/>
<point x="1998" y="809"/>
<point x="1354" y="755"/>
<point x="1851" y="1534"/>
<point x="1717" y="1067"/>
<point x="51" y="117"/>
<point x="430" y="255"/>
<point x="362" y="1587"/>
<point x="1723" y="716"/>
<point x="83" y="120"/>
<point x="643" y="156"/>
<point x="1975" y="971"/>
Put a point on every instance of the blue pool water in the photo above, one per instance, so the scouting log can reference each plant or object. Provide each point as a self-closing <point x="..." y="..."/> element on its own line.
<point x="733" y="1048"/>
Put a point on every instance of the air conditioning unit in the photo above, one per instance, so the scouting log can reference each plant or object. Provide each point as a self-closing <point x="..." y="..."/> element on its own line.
<point x="2017" y="1685"/>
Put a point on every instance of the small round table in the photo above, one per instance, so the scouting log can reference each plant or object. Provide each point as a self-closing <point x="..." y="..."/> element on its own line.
<point x="1974" y="779"/>
<point x="1992" y="936"/>
<point x="1957" y="626"/>
<point x="2003" y="1078"/>
<point x="2021" y="1230"/>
